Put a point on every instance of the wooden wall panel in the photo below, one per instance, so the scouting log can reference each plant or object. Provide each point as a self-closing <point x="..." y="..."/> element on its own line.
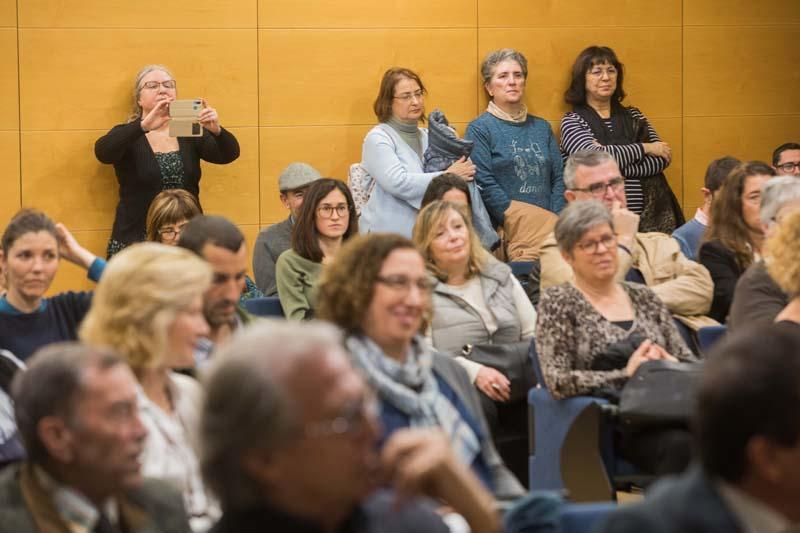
<point x="9" y="182"/>
<point x="740" y="12"/>
<point x="708" y="138"/>
<point x="140" y="14"/>
<point x="332" y="77"/>
<point x="741" y="71"/>
<point x="94" y="70"/>
<point x="62" y="177"/>
<point x="8" y="14"/>
<point x="73" y="278"/>
<point x="360" y="14"/>
<point x="651" y="55"/>
<point x="232" y="190"/>
<point x="9" y="93"/>
<point x="549" y="13"/>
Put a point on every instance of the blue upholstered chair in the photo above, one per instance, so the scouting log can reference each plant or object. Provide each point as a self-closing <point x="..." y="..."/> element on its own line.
<point x="710" y="335"/>
<point x="266" y="306"/>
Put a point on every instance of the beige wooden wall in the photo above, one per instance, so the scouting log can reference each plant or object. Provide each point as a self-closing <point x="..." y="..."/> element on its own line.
<point x="295" y="79"/>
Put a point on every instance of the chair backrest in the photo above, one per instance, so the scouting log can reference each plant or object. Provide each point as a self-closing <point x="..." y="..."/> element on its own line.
<point x="710" y="335"/>
<point x="266" y="306"/>
<point x="584" y="517"/>
<point x="521" y="268"/>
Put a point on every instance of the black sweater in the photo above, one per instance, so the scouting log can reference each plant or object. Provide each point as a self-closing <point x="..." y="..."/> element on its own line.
<point x="139" y="175"/>
<point x="725" y="271"/>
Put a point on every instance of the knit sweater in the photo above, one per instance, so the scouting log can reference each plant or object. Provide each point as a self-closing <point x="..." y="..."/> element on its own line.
<point x="139" y="175"/>
<point x="296" y="278"/>
<point x="516" y="161"/>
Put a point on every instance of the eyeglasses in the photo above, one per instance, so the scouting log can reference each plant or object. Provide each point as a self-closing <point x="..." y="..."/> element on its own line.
<point x="599" y="189"/>
<point x="326" y="211"/>
<point x="170" y="232"/>
<point x="608" y="242"/>
<point x="598" y="72"/>
<point x="353" y="418"/>
<point x="169" y="84"/>
<point x="407" y="97"/>
<point x="789" y="167"/>
<point x="402" y="283"/>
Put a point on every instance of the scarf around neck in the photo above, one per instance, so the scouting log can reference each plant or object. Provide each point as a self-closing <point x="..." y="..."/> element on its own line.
<point x="518" y="117"/>
<point x="411" y="387"/>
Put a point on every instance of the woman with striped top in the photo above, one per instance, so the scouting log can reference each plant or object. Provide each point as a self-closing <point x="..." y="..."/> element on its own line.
<point x="598" y="121"/>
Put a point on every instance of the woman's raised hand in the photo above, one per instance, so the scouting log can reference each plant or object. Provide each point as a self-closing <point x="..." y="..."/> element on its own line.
<point x="209" y="118"/>
<point x="156" y="117"/>
<point x="70" y="249"/>
<point x="463" y="168"/>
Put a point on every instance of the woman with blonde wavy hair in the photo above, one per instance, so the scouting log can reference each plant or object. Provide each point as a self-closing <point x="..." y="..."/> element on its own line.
<point x="783" y="264"/>
<point x="148" y="307"/>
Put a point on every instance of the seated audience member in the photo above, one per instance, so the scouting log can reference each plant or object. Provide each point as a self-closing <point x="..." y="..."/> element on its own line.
<point x="169" y="213"/>
<point x="786" y="159"/>
<point x="221" y="243"/>
<point x="378" y="292"/>
<point x="784" y="266"/>
<point x="393" y="152"/>
<point x="653" y="259"/>
<point x="594" y="332"/>
<point x="77" y="413"/>
<point x="32" y="247"/>
<point x="734" y="237"/>
<point x="748" y="439"/>
<point x="277" y="238"/>
<point x="326" y="219"/>
<point x="475" y="299"/>
<point x="690" y="235"/>
<point x="517" y="158"/>
<point x="289" y="431"/>
<point x="149" y="308"/>
<point x="757" y="299"/>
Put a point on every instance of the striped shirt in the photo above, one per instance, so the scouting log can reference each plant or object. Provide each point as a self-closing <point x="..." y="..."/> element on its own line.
<point x="632" y="160"/>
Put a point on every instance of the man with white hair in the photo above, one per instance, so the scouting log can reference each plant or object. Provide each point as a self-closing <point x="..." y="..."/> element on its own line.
<point x="757" y="298"/>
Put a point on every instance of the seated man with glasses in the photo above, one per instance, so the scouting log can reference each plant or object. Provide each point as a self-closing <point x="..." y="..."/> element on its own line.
<point x="653" y="259"/>
<point x="786" y="159"/>
<point x="290" y="430"/>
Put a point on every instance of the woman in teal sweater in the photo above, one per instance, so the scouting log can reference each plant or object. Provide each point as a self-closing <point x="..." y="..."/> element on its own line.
<point x="326" y="219"/>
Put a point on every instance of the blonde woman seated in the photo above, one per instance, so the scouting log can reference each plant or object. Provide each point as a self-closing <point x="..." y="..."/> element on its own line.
<point x="783" y="264"/>
<point x="476" y="299"/>
<point x="593" y="333"/>
<point x="149" y="308"/>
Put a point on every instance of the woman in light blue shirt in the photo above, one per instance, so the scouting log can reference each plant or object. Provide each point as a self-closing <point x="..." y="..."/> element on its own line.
<point x="392" y="154"/>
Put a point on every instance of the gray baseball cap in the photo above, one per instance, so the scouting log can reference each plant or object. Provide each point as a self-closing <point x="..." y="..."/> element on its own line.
<point x="297" y="175"/>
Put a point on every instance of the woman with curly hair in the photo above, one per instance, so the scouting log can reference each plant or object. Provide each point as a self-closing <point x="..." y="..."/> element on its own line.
<point x="783" y="255"/>
<point x="379" y="293"/>
<point x="734" y="236"/>
<point x="148" y="307"/>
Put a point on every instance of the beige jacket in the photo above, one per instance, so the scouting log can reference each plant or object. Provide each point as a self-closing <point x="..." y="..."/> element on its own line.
<point x="683" y="285"/>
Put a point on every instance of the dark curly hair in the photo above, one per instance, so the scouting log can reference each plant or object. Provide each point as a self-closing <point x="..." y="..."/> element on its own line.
<point x="591" y="56"/>
<point x="347" y="285"/>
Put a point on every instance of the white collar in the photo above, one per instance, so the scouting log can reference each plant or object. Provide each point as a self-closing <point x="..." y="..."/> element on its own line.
<point x="72" y="506"/>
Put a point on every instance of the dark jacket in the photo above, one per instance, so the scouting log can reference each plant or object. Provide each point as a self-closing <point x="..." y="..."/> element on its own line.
<point x="725" y="271"/>
<point x="757" y="299"/>
<point x="270" y="244"/>
<point x="686" y="504"/>
<point x="25" y="507"/>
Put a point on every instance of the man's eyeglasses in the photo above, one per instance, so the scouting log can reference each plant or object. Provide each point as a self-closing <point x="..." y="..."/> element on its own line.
<point x="326" y="211"/>
<point x="402" y="283"/>
<point x="353" y="418"/>
<point x="407" y="97"/>
<point x="169" y="84"/>
<point x="599" y="189"/>
<point x="592" y="247"/>
<point x="788" y="167"/>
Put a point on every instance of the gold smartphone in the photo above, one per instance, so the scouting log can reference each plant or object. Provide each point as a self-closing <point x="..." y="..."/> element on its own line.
<point x="184" y="116"/>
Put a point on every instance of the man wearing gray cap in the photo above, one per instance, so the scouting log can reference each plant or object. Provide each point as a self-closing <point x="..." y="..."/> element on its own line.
<point x="276" y="239"/>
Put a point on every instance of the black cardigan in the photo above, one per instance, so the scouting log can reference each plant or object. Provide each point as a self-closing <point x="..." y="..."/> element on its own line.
<point x="139" y="176"/>
<point x="725" y="272"/>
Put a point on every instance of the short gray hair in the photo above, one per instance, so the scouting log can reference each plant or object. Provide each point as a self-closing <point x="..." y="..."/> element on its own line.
<point x="51" y="386"/>
<point x="584" y="158"/>
<point x="493" y="59"/>
<point x="578" y="218"/>
<point x="136" y="109"/>
<point x="247" y="405"/>
<point x="776" y="193"/>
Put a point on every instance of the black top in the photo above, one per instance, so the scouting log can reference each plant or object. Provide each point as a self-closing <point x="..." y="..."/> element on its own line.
<point x="22" y="334"/>
<point x="139" y="174"/>
<point x="725" y="271"/>
<point x="377" y="515"/>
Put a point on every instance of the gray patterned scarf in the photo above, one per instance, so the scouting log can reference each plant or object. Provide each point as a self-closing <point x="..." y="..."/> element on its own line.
<point x="412" y="388"/>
